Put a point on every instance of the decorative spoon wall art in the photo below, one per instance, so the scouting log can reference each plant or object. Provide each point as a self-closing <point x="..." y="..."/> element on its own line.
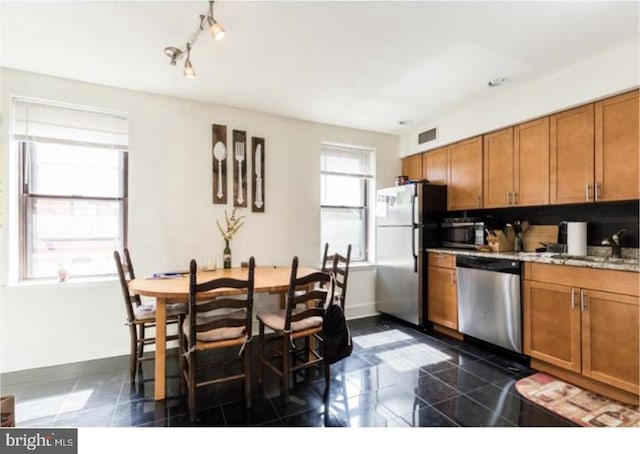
<point x="219" y="159"/>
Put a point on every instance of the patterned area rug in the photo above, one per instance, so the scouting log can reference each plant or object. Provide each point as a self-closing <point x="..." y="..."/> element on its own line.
<point x="582" y="407"/>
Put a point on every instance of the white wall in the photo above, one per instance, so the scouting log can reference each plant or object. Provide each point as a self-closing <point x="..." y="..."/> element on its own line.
<point x="610" y="73"/>
<point x="171" y="215"/>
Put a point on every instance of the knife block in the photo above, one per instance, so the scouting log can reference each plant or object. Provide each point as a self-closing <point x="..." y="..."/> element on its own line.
<point x="503" y="241"/>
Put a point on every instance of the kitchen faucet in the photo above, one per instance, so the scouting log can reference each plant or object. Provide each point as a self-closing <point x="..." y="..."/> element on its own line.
<point x="614" y="241"/>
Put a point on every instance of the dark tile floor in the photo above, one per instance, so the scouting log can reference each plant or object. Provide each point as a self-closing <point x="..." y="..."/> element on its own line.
<point x="396" y="377"/>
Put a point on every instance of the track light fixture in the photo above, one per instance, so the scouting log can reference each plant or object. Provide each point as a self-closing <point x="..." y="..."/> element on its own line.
<point x="215" y="29"/>
<point x="188" y="67"/>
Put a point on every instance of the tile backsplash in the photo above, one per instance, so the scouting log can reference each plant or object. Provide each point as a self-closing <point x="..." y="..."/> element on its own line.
<point x="603" y="218"/>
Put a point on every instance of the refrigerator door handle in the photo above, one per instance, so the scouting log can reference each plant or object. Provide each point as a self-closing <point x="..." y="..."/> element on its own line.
<point x="414" y="227"/>
<point x="414" y="197"/>
<point x="413" y="248"/>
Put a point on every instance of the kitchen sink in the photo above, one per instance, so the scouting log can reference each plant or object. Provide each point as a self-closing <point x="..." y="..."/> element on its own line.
<point x="592" y="258"/>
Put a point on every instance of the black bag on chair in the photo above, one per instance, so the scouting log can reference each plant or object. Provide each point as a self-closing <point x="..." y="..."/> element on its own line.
<point x="336" y="338"/>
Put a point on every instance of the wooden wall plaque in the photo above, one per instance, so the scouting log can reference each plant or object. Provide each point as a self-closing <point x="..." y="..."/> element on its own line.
<point x="219" y="155"/>
<point x="257" y="175"/>
<point x="239" y="157"/>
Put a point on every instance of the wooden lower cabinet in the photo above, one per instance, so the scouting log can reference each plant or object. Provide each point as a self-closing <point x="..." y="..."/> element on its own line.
<point x="591" y="332"/>
<point x="552" y="324"/>
<point x="610" y="327"/>
<point x="442" y="305"/>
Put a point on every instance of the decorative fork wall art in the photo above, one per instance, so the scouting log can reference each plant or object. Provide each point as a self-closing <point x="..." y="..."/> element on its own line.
<point x="239" y="160"/>
<point x="219" y="159"/>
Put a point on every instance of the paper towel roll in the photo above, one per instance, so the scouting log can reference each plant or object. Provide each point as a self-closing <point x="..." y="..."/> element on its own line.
<point x="577" y="238"/>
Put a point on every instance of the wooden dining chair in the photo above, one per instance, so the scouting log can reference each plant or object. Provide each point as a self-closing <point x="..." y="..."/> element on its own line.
<point x="223" y="321"/>
<point x="140" y="317"/>
<point x="300" y="320"/>
<point x="339" y="265"/>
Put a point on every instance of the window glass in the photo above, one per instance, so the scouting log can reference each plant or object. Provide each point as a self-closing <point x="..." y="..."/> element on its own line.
<point x="346" y="175"/>
<point x="80" y="235"/>
<point x="343" y="226"/>
<point x="58" y="169"/>
<point x="342" y="190"/>
<point x="73" y="181"/>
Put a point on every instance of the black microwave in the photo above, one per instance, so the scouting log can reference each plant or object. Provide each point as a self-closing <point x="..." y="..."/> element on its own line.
<point x="467" y="233"/>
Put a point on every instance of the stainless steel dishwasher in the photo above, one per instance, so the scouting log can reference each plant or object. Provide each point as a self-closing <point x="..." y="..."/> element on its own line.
<point x="489" y="305"/>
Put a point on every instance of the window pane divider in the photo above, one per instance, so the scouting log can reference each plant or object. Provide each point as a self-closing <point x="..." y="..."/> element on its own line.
<point x="74" y="197"/>
<point x="351" y="207"/>
<point x="35" y="139"/>
<point x="346" y="174"/>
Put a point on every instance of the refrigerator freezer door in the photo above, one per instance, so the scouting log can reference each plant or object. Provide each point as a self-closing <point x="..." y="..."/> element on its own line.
<point x="397" y="284"/>
<point x="395" y="206"/>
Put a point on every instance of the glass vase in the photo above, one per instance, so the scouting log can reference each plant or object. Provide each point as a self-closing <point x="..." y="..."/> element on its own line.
<point x="226" y="255"/>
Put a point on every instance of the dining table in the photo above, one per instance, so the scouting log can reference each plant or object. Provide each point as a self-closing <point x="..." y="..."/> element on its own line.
<point x="173" y="288"/>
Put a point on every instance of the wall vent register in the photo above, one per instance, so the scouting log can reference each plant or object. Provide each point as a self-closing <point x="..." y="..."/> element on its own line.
<point x="428" y="135"/>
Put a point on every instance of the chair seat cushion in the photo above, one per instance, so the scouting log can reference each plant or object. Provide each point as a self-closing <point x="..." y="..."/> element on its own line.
<point x="147" y="312"/>
<point x="217" y="334"/>
<point x="275" y="320"/>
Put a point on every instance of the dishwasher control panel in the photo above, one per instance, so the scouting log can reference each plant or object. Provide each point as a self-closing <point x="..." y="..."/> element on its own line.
<point x="489" y="264"/>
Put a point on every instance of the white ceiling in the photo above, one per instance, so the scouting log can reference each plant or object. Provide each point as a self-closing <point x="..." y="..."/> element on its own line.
<point x="358" y="64"/>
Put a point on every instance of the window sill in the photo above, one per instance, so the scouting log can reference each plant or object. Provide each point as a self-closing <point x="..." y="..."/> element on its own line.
<point x="362" y="266"/>
<point x="72" y="282"/>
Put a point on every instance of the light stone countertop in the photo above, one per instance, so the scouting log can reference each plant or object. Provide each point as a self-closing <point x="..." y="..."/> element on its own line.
<point x="629" y="262"/>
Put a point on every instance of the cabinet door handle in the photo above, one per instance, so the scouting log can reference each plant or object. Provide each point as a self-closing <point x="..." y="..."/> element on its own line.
<point x="508" y="198"/>
<point x="453" y="277"/>
<point x="515" y="198"/>
<point x="479" y="202"/>
<point x="573" y="298"/>
<point x="597" y="191"/>
<point x="587" y="190"/>
<point x="583" y="303"/>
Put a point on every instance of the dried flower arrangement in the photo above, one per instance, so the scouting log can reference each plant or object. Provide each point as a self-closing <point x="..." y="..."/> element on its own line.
<point x="233" y="224"/>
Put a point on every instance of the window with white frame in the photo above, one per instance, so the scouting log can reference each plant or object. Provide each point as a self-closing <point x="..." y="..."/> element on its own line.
<point x="345" y="183"/>
<point x="73" y="187"/>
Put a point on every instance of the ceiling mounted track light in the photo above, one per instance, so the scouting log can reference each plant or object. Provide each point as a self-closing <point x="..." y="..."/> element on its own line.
<point x="215" y="29"/>
<point x="188" y="67"/>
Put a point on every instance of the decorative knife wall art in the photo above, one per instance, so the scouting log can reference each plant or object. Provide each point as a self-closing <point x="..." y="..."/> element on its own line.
<point x="239" y="159"/>
<point x="257" y="186"/>
<point x="238" y="155"/>
<point x="219" y="155"/>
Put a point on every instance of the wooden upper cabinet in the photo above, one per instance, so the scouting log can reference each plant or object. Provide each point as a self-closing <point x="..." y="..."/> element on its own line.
<point x="498" y="169"/>
<point x="464" y="190"/>
<point x="617" y="148"/>
<point x="412" y="167"/>
<point x="571" y="150"/>
<point x="531" y="163"/>
<point x="435" y="164"/>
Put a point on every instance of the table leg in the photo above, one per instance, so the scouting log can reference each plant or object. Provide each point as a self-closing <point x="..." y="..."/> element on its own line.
<point x="161" y="348"/>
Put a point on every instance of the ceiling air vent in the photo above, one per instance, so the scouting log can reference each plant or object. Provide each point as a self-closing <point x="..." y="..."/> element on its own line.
<point x="427" y="136"/>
